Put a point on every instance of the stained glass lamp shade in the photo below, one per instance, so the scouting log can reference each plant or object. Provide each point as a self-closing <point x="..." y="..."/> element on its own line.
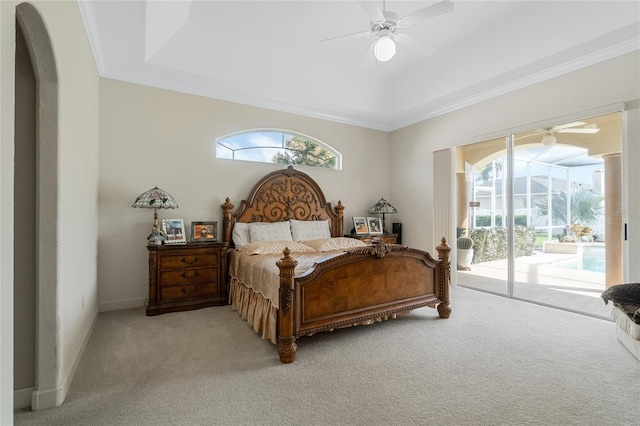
<point x="155" y="199"/>
<point x="383" y="207"/>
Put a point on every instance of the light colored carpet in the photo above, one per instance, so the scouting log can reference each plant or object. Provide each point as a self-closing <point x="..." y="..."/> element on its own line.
<point x="494" y="362"/>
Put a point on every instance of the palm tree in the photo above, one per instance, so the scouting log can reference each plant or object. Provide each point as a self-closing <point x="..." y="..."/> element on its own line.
<point x="586" y="207"/>
<point x="306" y="153"/>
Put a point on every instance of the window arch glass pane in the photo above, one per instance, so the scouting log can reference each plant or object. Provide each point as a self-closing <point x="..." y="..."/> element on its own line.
<point x="277" y="146"/>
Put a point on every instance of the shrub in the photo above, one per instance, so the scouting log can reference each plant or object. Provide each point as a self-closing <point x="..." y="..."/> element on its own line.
<point x="485" y="220"/>
<point x="491" y="243"/>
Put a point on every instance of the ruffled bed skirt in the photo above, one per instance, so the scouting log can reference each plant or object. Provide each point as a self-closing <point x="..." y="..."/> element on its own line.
<point x="255" y="309"/>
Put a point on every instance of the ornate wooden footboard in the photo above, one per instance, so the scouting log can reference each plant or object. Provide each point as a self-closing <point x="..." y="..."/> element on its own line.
<point x="365" y="284"/>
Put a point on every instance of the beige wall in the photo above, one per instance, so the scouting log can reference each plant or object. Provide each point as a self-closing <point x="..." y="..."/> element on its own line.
<point x="71" y="308"/>
<point x="591" y="89"/>
<point x="154" y="137"/>
<point x="77" y="181"/>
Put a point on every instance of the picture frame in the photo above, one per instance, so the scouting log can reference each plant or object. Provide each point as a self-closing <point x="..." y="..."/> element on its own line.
<point x="375" y="226"/>
<point x="174" y="231"/>
<point x="204" y="231"/>
<point x="360" y="225"/>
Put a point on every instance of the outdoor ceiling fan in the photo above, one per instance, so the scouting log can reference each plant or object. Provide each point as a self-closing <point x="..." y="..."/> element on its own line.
<point x="386" y="26"/>
<point x="548" y="137"/>
<point x="548" y="133"/>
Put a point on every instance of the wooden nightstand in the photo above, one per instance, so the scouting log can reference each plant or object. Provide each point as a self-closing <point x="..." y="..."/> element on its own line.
<point x="387" y="238"/>
<point x="186" y="277"/>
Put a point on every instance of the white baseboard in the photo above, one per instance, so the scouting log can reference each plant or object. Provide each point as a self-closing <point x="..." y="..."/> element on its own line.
<point x="22" y="398"/>
<point x="122" y="304"/>
<point x="49" y="398"/>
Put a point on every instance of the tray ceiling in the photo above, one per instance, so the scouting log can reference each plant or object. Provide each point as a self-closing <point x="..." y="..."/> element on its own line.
<point x="270" y="54"/>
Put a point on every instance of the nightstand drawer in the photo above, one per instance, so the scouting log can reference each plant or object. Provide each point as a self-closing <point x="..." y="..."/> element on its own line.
<point x="189" y="291"/>
<point x="181" y="261"/>
<point x="188" y="276"/>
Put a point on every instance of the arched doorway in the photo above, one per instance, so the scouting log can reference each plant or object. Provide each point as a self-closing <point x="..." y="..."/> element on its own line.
<point x="45" y="199"/>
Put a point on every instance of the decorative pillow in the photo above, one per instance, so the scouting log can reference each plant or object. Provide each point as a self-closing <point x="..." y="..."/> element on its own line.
<point x="268" y="247"/>
<point x="276" y="231"/>
<point x="340" y="243"/>
<point x="241" y="234"/>
<point x="628" y="294"/>
<point x="307" y="230"/>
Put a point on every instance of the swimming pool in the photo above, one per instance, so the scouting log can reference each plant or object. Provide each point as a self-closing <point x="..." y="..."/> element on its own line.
<point x="589" y="258"/>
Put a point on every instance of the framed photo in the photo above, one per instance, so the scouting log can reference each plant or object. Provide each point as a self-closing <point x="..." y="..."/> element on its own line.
<point x="202" y="232"/>
<point x="375" y="225"/>
<point x="360" y="225"/>
<point x="174" y="231"/>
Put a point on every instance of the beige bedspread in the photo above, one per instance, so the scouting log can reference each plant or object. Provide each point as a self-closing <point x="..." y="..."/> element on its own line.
<point x="255" y="284"/>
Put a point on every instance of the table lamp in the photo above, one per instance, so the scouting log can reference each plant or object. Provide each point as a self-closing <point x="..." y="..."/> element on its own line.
<point x="155" y="199"/>
<point x="383" y="206"/>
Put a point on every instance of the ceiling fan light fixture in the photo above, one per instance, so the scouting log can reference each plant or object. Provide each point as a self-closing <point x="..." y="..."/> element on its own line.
<point x="548" y="139"/>
<point x="385" y="49"/>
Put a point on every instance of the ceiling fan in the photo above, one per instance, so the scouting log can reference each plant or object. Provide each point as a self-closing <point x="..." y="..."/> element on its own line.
<point x="386" y="26"/>
<point x="549" y="138"/>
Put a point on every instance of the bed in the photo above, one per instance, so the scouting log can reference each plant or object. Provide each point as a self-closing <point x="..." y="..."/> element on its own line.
<point x="626" y="314"/>
<point x="316" y="279"/>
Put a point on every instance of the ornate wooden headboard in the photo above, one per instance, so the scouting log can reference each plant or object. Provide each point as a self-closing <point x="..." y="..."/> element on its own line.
<point x="283" y="195"/>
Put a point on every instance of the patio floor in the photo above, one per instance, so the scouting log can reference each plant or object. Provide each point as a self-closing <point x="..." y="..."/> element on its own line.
<point x="537" y="279"/>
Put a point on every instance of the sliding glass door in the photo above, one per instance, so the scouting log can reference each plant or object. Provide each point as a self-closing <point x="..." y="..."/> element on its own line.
<point x="482" y="226"/>
<point x="535" y="214"/>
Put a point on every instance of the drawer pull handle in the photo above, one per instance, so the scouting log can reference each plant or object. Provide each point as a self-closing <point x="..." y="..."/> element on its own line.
<point x="193" y="274"/>
<point x="189" y="261"/>
<point x="191" y="290"/>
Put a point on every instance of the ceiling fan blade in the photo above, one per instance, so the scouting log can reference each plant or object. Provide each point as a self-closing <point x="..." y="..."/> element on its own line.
<point x="528" y="135"/>
<point x="372" y="10"/>
<point x="359" y="34"/>
<point x="428" y="12"/>
<point x="413" y="43"/>
<point x="589" y="131"/>
<point x="566" y="126"/>
<point x="369" y="59"/>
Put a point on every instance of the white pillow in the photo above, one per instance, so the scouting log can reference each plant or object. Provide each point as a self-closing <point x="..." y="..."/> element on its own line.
<point x="269" y="247"/>
<point x="339" y="243"/>
<point x="276" y="231"/>
<point x="307" y="230"/>
<point x="241" y="234"/>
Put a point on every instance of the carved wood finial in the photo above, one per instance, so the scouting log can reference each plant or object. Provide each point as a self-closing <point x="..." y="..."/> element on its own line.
<point x="287" y="261"/>
<point x="340" y="222"/>
<point x="227" y="208"/>
<point x="443" y="249"/>
<point x="290" y="171"/>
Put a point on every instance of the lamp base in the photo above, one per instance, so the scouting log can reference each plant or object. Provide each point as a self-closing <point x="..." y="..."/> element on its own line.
<point x="155" y="239"/>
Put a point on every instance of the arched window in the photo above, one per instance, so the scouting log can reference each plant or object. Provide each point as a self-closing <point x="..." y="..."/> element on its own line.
<point x="278" y="146"/>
